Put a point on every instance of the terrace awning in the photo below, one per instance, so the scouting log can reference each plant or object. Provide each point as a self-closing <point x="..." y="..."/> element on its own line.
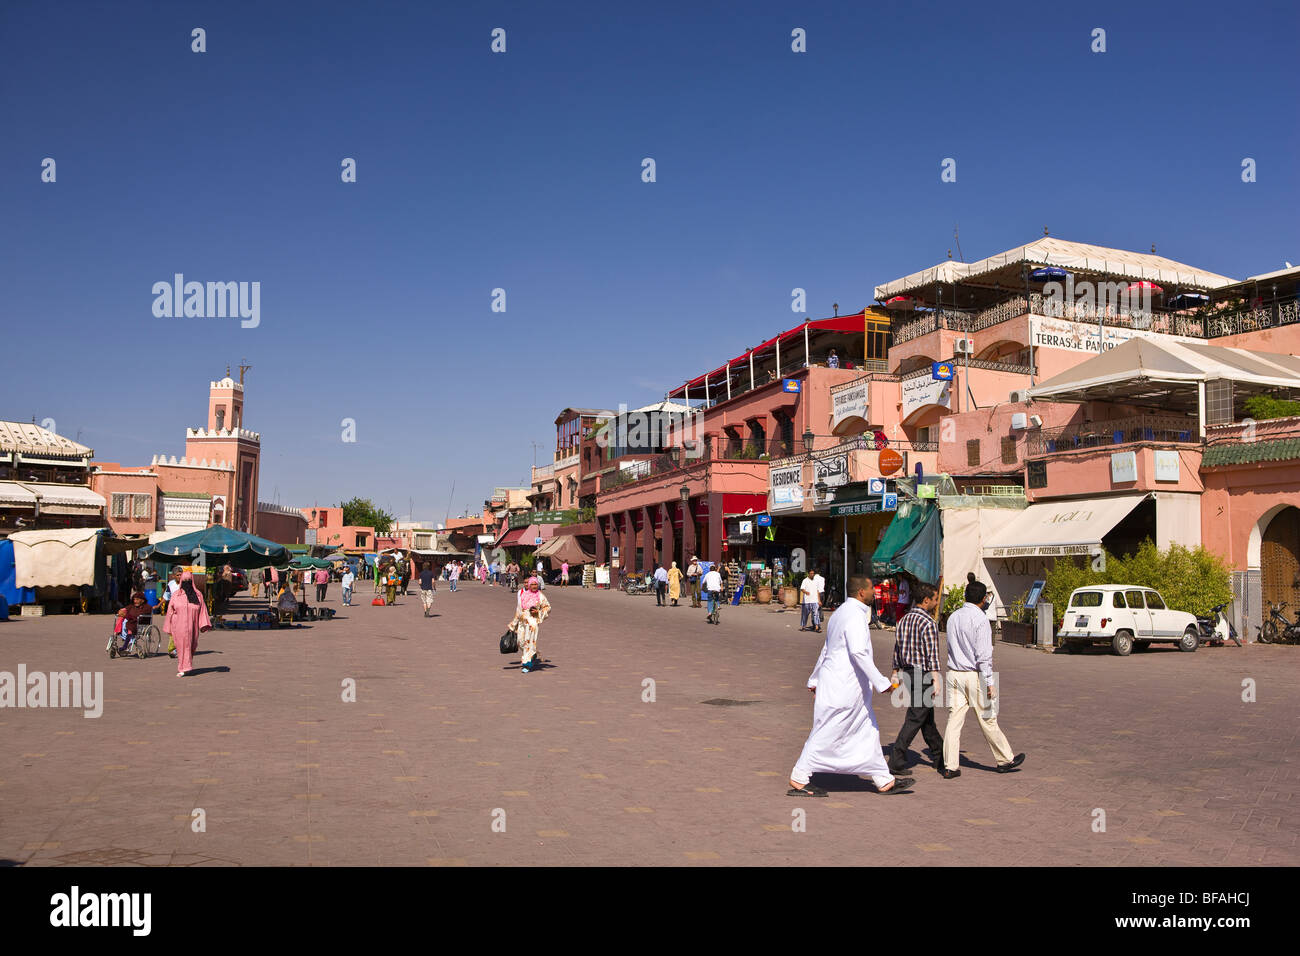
<point x="1057" y="528"/>
<point x="1151" y="372"/>
<point x="840" y="323"/>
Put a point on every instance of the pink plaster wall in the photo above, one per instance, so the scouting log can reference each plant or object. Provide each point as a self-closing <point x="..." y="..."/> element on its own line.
<point x="1086" y="471"/>
<point x="989" y="425"/>
<point x="280" y="528"/>
<point x="1285" y="339"/>
<point x="113" y="478"/>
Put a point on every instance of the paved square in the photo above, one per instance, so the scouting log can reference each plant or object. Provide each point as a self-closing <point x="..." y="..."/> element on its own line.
<point x="450" y="756"/>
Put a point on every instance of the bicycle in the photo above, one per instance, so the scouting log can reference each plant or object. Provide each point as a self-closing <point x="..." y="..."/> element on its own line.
<point x="1276" y="629"/>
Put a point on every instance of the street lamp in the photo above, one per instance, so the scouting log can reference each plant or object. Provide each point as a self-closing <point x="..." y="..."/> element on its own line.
<point x="685" y="492"/>
<point x="808" y="437"/>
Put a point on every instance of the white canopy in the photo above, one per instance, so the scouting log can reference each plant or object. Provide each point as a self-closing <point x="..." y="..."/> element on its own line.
<point x="1126" y="372"/>
<point x="1075" y="256"/>
<point x="1060" y="527"/>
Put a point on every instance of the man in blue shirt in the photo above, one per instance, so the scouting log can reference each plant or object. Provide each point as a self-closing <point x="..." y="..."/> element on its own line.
<point x="661" y="585"/>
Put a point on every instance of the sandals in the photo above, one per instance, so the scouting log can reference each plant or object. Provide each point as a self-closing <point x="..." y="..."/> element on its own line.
<point x="900" y="784"/>
<point x="807" y="790"/>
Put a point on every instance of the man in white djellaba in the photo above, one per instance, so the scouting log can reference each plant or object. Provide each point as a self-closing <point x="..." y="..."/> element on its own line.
<point x="845" y="737"/>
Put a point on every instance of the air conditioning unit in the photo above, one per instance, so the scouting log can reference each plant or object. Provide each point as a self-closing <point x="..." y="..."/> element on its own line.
<point x="963" y="347"/>
<point x="1019" y="421"/>
<point x="1020" y="395"/>
<point x="1036" y="421"/>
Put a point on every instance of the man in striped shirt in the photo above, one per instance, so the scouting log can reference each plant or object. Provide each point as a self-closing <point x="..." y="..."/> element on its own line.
<point x="916" y="654"/>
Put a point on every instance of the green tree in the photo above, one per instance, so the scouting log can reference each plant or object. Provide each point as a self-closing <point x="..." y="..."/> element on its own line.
<point x="366" y="514"/>
<point x="1263" y="407"/>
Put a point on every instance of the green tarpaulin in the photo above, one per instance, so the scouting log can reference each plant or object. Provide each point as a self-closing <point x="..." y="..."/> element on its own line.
<point x="912" y="543"/>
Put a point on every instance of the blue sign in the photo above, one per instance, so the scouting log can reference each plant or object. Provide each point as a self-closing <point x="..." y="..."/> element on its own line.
<point x="876" y="486"/>
<point x="764" y="521"/>
<point x="537" y="541"/>
<point x="891" y="501"/>
<point x="941" y="371"/>
<point x="790" y="384"/>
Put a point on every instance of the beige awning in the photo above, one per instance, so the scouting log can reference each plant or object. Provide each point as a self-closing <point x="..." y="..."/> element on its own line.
<point x="66" y="499"/>
<point x="12" y="493"/>
<point x="1060" y="527"/>
<point x="47" y="559"/>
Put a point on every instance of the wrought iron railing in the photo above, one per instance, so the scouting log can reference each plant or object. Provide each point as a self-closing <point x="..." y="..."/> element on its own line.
<point x="908" y="329"/>
<point x="1118" y="431"/>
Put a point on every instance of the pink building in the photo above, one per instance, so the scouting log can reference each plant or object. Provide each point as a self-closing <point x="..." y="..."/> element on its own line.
<point x="330" y="530"/>
<point x="214" y="482"/>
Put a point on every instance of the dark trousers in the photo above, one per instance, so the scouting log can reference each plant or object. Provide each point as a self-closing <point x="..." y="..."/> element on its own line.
<point x="320" y="592"/>
<point x="920" y="718"/>
<point x="661" y="588"/>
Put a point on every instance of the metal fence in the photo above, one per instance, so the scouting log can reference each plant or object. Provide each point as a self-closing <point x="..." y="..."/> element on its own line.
<point x="1119" y="431"/>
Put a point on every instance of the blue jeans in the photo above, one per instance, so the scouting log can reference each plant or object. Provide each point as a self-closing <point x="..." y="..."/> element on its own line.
<point x="713" y="601"/>
<point x="810" y="611"/>
<point x="453" y="584"/>
<point x="347" y="597"/>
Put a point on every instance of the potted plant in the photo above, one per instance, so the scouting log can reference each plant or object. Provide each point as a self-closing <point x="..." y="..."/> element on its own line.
<point x="764" y="590"/>
<point x="790" y="592"/>
<point x="1018" y="627"/>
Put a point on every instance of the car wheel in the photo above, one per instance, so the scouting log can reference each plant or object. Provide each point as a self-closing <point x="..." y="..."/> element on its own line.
<point x="1122" y="645"/>
<point x="1190" y="641"/>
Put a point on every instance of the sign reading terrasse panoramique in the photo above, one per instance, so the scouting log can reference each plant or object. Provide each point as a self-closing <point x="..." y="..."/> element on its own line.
<point x="1083" y="337"/>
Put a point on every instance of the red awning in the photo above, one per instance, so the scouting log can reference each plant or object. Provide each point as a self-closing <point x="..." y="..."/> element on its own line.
<point x="735" y="503"/>
<point x="839" y="323"/>
<point x="520" y="538"/>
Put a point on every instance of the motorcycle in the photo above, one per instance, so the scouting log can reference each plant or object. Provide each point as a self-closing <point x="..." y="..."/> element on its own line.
<point x="636" y="584"/>
<point x="1276" y="629"/>
<point x="1217" y="630"/>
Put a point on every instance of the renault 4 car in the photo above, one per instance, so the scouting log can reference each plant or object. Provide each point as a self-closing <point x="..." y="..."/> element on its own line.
<point x="1125" y="617"/>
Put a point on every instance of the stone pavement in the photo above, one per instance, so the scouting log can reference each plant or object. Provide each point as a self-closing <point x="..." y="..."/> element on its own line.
<point x="446" y="737"/>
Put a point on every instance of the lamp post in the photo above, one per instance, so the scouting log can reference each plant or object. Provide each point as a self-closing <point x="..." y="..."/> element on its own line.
<point x="685" y="493"/>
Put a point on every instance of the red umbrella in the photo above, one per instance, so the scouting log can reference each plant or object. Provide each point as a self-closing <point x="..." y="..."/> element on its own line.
<point x="1145" y="286"/>
<point x="901" y="302"/>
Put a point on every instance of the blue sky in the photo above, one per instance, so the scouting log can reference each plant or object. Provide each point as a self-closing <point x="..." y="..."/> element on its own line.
<point x="522" y="171"/>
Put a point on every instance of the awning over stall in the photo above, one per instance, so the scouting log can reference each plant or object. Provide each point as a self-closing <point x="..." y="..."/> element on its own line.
<point x="48" y="559"/>
<point x="1060" y="528"/>
<point x="908" y="522"/>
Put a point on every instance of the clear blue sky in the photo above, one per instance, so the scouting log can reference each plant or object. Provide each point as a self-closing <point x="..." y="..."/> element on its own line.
<point x="523" y="171"/>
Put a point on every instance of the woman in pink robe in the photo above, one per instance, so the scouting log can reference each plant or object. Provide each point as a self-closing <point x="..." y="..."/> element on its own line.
<point x="187" y="617"/>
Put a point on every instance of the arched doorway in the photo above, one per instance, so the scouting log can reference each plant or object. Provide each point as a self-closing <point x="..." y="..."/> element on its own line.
<point x="1280" y="560"/>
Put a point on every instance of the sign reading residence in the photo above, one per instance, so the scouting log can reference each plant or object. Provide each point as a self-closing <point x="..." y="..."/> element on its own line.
<point x="1167" y="468"/>
<point x="849" y="403"/>
<point x="1123" y="467"/>
<point x="920" y="391"/>
<point x="1083" y="336"/>
<point x="786" y="487"/>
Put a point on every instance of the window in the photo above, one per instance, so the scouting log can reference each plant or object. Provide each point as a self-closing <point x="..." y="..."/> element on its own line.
<point x="128" y="506"/>
<point x="1134" y="599"/>
<point x="1086" y="599"/>
<point x="1037" y="474"/>
<point x="973" y="453"/>
<point x="1009" y="450"/>
<point x="1154" y="601"/>
<point x="324" y="518"/>
<point x="221" y="419"/>
<point x="1118" y="600"/>
<point x="923" y="435"/>
<point x="361" y="540"/>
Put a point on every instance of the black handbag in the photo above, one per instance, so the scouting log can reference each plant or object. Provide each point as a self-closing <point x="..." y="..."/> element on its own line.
<point x="509" y="643"/>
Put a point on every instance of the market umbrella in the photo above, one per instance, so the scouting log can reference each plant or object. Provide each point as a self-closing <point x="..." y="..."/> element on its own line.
<point x="1048" y="274"/>
<point x="308" y="562"/>
<point x="901" y="302"/>
<point x="218" y="545"/>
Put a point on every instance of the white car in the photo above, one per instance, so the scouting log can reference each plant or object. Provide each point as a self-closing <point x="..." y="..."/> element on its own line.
<point x="1125" y="616"/>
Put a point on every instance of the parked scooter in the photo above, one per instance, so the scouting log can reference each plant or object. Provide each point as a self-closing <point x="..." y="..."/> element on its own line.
<point x="1217" y="630"/>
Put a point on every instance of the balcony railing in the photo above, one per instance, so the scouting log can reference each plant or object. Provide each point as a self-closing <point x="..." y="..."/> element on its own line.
<point x="1118" y="431"/>
<point x="924" y="371"/>
<point x="1213" y="322"/>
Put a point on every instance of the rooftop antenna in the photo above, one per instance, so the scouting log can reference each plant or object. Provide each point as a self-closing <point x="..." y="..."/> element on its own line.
<point x="243" y="368"/>
<point x="836" y="307"/>
<point x="956" y="238"/>
<point x="449" y="500"/>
